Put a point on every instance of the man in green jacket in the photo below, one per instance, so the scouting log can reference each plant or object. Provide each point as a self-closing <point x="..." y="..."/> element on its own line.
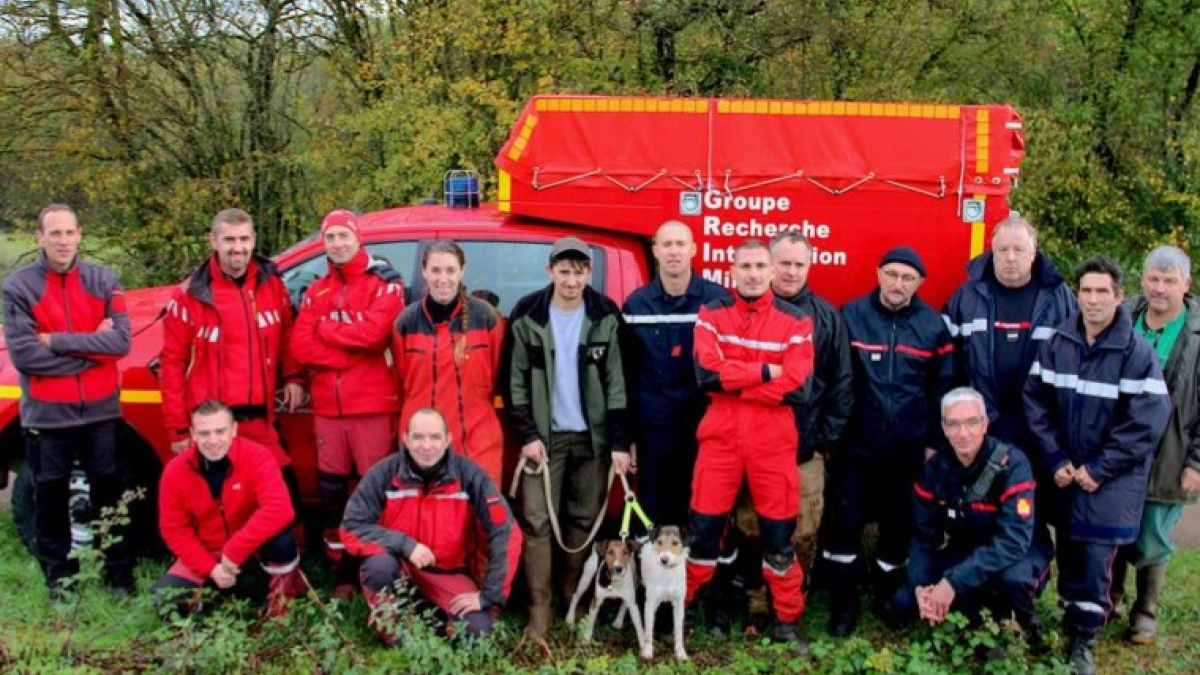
<point x="568" y="405"/>
<point x="1168" y="316"/>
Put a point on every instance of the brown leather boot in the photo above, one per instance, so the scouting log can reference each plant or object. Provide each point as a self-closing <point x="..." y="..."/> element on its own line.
<point x="538" y="570"/>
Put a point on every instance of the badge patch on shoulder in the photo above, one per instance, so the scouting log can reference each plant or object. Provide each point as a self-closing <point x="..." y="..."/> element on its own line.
<point x="1024" y="507"/>
<point x="496" y="510"/>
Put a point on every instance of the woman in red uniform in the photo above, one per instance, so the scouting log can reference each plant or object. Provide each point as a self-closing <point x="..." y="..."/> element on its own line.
<point x="447" y="349"/>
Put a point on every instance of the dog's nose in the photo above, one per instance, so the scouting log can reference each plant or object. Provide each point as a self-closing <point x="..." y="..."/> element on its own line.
<point x="664" y="559"/>
<point x="618" y="568"/>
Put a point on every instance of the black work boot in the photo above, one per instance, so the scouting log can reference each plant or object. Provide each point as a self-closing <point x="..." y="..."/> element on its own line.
<point x="789" y="632"/>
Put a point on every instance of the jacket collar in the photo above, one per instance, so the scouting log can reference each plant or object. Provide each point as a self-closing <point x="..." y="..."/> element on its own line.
<point x="199" y="284"/>
<point x="759" y="304"/>
<point x="1137" y="305"/>
<point x="912" y="305"/>
<point x="234" y="454"/>
<point x="694" y="288"/>
<point x="1116" y="336"/>
<point x="594" y="305"/>
<point x="355" y="267"/>
<point x="408" y="470"/>
<point x="43" y="264"/>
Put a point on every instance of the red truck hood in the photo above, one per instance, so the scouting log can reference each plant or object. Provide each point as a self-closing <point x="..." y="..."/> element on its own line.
<point x="145" y="307"/>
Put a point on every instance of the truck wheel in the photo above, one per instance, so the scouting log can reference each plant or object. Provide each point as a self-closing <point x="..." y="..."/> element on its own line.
<point x="21" y="505"/>
<point x="142" y="469"/>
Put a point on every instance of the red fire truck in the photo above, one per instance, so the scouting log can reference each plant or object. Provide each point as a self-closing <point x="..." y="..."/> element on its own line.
<point x="856" y="178"/>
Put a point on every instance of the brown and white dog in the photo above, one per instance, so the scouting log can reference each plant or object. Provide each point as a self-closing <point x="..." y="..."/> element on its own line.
<point x="613" y="567"/>
<point x="664" y="574"/>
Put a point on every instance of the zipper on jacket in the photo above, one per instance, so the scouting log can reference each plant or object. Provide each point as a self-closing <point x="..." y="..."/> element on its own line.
<point x="252" y="333"/>
<point x="67" y="315"/>
<point x="337" y="378"/>
<point x="887" y="418"/>
<point x="462" y="413"/>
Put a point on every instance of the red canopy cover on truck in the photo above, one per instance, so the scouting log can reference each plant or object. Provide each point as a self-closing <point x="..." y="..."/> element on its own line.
<point x="857" y="178"/>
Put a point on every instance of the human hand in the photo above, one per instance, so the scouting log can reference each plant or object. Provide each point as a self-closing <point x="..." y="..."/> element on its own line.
<point x="1085" y="480"/>
<point x="44" y="340"/>
<point x="1065" y="476"/>
<point x="621" y="462"/>
<point x="534" y="451"/>
<point x="775" y="370"/>
<point x="421" y="556"/>
<point x="1191" y="480"/>
<point x="293" y="395"/>
<point x="465" y="603"/>
<point x="105" y="326"/>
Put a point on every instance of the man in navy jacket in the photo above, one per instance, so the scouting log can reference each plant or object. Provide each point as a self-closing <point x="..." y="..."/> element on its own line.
<point x="1097" y="405"/>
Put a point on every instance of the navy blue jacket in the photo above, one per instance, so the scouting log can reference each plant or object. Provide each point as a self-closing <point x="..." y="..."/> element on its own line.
<point x="971" y="317"/>
<point x="903" y="365"/>
<point x="661" y="361"/>
<point x="992" y="533"/>
<point x="1103" y="407"/>
<point x="823" y="416"/>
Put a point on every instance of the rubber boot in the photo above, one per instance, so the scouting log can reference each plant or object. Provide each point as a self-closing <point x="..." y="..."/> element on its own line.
<point x="282" y="590"/>
<point x="1079" y="655"/>
<point x="571" y="572"/>
<point x="1143" y="621"/>
<point x="538" y="572"/>
<point x="843" y="596"/>
<point x="384" y="616"/>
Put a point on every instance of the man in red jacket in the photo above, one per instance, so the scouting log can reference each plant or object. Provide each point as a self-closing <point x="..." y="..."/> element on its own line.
<point x="65" y="327"/>
<point x="220" y="502"/>
<point x="341" y="335"/>
<point x="754" y="353"/>
<point x="431" y="514"/>
<point x="225" y="338"/>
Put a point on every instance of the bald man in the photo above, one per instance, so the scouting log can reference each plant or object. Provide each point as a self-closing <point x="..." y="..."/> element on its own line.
<point x="669" y="405"/>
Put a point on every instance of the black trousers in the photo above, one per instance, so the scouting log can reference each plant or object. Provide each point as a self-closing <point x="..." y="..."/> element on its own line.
<point x="51" y="454"/>
<point x="860" y="490"/>
<point x="667" y="452"/>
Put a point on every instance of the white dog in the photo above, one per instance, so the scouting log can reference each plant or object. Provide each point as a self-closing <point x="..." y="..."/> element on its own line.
<point x="612" y="566"/>
<point x="664" y="574"/>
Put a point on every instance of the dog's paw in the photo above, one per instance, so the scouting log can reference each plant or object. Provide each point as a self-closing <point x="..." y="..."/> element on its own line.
<point x="681" y="655"/>
<point x="647" y="653"/>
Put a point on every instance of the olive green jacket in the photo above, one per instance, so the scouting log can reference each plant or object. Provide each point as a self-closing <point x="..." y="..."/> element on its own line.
<point x="601" y="375"/>
<point x="1180" y="446"/>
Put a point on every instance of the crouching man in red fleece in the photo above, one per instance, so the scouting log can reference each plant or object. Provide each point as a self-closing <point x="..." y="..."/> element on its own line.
<point x="220" y="502"/>
<point x="430" y="514"/>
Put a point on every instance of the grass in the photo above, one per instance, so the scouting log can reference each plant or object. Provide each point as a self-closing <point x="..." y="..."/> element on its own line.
<point x="98" y="634"/>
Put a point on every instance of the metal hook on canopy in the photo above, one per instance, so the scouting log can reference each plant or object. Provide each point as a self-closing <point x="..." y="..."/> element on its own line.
<point x="699" y="182"/>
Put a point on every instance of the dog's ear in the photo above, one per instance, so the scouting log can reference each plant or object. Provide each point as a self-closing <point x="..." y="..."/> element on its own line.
<point x="599" y="547"/>
<point x="655" y="532"/>
<point x="632" y="546"/>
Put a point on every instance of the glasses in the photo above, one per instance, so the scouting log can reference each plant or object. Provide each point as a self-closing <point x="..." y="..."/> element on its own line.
<point x="908" y="279"/>
<point x="971" y="424"/>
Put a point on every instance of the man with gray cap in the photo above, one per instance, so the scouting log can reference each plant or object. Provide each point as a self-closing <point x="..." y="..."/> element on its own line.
<point x="903" y="365"/>
<point x="568" y="407"/>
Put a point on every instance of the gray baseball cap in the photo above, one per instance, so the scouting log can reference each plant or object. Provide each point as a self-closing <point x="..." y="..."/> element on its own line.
<point x="570" y="247"/>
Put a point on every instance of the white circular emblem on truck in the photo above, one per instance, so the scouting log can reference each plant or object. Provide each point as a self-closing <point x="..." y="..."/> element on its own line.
<point x="689" y="203"/>
<point x="972" y="210"/>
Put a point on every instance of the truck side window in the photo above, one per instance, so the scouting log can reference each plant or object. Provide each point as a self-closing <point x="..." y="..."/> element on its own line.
<point x="402" y="255"/>
<point x="504" y="271"/>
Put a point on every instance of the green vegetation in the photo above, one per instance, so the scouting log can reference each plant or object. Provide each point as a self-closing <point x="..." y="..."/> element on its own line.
<point x="149" y="124"/>
<point x="93" y="633"/>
